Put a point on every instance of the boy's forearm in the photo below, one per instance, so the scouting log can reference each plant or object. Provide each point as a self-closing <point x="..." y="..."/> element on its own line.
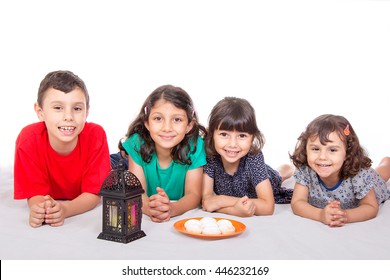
<point x="83" y="203"/>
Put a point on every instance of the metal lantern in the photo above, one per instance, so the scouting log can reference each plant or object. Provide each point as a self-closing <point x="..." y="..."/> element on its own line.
<point x="122" y="206"/>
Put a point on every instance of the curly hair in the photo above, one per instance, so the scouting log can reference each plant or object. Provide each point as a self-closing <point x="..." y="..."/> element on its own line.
<point x="232" y="113"/>
<point x="356" y="157"/>
<point x="180" y="99"/>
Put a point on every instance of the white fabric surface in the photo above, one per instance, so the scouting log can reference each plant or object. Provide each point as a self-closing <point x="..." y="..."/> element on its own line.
<point x="283" y="236"/>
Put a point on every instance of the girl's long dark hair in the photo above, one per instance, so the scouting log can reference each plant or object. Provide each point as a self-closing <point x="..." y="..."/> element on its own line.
<point x="180" y="99"/>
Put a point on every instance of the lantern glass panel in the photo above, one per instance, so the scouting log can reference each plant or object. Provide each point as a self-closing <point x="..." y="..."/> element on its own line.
<point x="113" y="215"/>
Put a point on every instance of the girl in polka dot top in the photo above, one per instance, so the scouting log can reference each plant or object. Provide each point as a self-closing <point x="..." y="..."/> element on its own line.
<point x="236" y="180"/>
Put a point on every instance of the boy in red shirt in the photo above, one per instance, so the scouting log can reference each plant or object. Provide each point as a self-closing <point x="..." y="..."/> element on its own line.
<point x="61" y="161"/>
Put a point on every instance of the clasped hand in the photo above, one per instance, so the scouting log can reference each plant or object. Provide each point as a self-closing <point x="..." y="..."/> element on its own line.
<point x="49" y="212"/>
<point x="160" y="206"/>
<point x="333" y="215"/>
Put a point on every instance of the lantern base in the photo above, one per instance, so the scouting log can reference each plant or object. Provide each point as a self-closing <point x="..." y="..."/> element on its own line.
<point x="121" y="239"/>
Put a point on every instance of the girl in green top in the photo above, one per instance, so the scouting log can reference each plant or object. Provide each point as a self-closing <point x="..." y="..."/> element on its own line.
<point x="165" y="151"/>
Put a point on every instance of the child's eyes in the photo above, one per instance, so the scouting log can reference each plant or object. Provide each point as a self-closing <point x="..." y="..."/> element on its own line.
<point x="177" y="120"/>
<point x="223" y="134"/>
<point x="60" y="108"/>
<point x="242" y="135"/>
<point x="333" y="150"/>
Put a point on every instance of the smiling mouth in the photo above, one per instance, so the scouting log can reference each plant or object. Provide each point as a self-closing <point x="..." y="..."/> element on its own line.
<point x="67" y="129"/>
<point x="231" y="152"/>
<point x="167" y="137"/>
<point x="323" y="165"/>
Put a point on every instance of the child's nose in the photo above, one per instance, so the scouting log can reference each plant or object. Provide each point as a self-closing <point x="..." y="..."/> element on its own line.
<point x="232" y="141"/>
<point x="323" y="154"/>
<point x="68" y="116"/>
<point x="167" y="125"/>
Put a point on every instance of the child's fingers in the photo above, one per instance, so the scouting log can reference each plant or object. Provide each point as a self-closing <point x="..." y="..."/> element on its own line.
<point x="36" y="222"/>
<point x="57" y="224"/>
<point x="37" y="217"/>
<point x="161" y="191"/>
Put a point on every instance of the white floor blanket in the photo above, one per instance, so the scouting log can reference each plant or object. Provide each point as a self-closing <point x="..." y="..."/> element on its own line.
<point x="283" y="236"/>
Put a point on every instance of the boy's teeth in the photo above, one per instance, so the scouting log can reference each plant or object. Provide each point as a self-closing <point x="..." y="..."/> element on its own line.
<point x="67" y="128"/>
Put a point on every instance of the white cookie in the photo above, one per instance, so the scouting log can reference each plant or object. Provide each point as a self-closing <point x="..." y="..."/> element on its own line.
<point x="224" y="222"/>
<point x="194" y="229"/>
<point x="210" y="229"/>
<point x="192" y="222"/>
<point x="226" y="229"/>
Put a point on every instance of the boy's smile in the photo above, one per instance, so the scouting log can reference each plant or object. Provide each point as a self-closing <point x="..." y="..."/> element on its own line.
<point x="64" y="115"/>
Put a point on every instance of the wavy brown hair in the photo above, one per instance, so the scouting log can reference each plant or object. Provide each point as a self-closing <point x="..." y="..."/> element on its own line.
<point x="356" y="157"/>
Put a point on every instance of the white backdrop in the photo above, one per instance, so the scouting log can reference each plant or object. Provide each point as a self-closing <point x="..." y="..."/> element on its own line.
<point x="293" y="60"/>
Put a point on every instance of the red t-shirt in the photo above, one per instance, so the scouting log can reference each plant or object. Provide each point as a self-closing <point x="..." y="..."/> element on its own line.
<point x="39" y="170"/>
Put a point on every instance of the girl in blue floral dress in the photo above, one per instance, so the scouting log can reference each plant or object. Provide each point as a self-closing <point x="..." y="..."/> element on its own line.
<point x="335" y="183"/>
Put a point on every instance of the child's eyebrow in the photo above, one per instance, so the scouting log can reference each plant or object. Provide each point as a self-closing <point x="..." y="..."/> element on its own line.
<point x="64" y="104"/>
<point x="79" y="103"/>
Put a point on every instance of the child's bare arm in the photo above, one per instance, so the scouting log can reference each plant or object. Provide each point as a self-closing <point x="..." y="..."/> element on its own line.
<point x="243" y="207"/>
<point x="301" y="207"/>
<point x="212" y="202"/>
<point x="265" y="202"/>
<point x="60" y="210"/>
<point x="331" y="215"/>
<point x="192" y="193"/>
<point x="368" y="208"/>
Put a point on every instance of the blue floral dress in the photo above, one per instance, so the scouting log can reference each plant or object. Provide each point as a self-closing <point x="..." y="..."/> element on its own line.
<point x="348" y="191"/>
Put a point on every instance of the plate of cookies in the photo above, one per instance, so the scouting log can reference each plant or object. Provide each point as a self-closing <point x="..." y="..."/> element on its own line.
<point x="208" y="227"/>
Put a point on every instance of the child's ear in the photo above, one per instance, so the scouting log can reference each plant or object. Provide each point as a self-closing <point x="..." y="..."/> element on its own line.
<point x="39" y="112"/>
<point x="146" y="124"/>
<point x="190" y="126"/>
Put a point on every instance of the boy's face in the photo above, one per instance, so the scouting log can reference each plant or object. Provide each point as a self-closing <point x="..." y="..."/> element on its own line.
<point x="64" y="115"/>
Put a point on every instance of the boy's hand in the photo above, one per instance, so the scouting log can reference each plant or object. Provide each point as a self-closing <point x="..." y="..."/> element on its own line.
<point x="37" y="214"/>
<point x="54" y="210"/>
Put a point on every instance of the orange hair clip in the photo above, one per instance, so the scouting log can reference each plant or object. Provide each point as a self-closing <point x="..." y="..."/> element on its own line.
<point x="346" y="130"/>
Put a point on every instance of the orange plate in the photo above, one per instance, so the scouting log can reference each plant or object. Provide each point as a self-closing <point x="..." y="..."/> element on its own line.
<point x="240" y="228"/>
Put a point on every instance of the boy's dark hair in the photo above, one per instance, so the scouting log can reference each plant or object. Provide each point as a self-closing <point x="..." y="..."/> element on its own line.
<point x="322" y="126"/>
<point x="232" y="113"/>
<point x="180" y="99"/>
<point x="61" y="80"/>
